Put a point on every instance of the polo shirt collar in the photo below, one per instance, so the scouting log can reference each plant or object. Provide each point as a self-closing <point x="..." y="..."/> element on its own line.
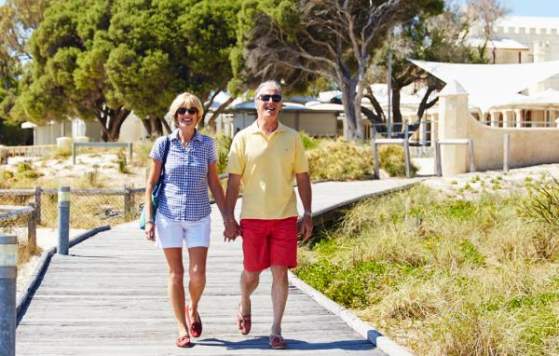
<point x="253" y="128"/>
<point x="175" y="135"/>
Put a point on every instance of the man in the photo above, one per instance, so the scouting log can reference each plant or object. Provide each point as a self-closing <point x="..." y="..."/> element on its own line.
<point x="265" y="157"/>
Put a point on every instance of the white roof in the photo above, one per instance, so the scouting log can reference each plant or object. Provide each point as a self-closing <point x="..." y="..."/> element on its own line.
<point x="504" y="43"/>
<point x="488" y="84"/>
<point x="545" y="99"/>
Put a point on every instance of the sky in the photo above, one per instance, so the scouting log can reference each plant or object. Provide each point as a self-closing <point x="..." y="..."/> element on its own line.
<point x="542" y="8"/>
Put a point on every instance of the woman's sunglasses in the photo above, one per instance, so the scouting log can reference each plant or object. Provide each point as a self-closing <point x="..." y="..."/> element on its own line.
<point x="276" y="98"/>
<point x="191" y="111"/>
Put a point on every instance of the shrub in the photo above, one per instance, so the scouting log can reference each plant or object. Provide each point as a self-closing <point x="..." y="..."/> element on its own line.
<point x="223" y="144"/>
<point x="121" y="162"/>
<point x="308" y="142"/>
<point x="340" y="161"/>
<point x="543" y="204"/>
<point x="393" y="162"/>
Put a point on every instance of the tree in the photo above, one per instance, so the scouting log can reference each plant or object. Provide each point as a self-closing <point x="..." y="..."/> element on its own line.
<point x="440" y="38"/>
<point x="101" y="59"/>
<point x="166" y="47"/>
<point x="483" y="14"/>
<point x="67" y="77"/>
<point x="299" y="40"/>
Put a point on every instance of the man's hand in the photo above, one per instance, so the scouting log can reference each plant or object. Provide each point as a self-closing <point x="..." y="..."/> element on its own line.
<point x="305" y="227"/>
<point x="232" y="230"/>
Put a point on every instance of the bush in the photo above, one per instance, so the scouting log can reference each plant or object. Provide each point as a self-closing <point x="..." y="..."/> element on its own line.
<point x="308" y="142"/>
<point x="340" y="161"/>
<point x="542" y="206"/>
<point x="223" y="144"/>
<point x="393" y="162"/>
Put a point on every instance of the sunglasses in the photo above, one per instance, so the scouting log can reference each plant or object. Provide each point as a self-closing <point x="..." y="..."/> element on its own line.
<point x="191" y="111"/>
<point x="276" y="98"/>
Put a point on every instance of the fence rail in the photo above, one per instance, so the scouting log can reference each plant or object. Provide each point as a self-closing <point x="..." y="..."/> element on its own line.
<point x="12" y="215"/>
<point x="25" y="151"/>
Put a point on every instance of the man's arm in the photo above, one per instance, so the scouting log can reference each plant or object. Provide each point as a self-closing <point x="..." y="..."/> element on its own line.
<point x="305" y="193"/>
<point x="231" y="226"/>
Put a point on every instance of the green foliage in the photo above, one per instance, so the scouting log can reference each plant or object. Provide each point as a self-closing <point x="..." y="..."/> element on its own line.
<point x="308" y="142"/>
<point x="392" y="161"/>
<point x="223" y="144"/>
<point x="543" y="203"/>
<point x="121" y="162"/>
<point x="339" y="160"/>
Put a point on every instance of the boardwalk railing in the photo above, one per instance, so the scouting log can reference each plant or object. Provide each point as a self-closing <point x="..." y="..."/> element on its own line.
<point x="20" y="221"/>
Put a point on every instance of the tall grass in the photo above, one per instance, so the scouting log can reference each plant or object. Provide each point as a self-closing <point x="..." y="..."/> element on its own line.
<point x="339" y="160"/>
<point x="444" y="276"/>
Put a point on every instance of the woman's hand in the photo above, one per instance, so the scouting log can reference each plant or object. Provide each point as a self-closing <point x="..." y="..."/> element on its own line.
<point x="150" y="231"/>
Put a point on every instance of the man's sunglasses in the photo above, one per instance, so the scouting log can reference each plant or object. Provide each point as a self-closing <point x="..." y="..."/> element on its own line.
<point x="191" y="111"/>
<point x="276" y="98"/>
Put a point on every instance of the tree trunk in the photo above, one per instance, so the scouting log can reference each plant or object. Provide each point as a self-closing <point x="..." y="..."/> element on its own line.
<point x="353" y="128"/>
<point x="115" y="122"/>
<point x="396" y="113"/>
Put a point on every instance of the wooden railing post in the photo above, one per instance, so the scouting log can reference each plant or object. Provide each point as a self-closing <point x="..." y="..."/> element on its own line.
<point x="128" y="204"/>
<point x="8" y="274"/>
<point x="32" y="229"/>
<point x="38" y="192"/>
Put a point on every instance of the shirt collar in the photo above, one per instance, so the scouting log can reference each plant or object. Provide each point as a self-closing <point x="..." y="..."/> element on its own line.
<point x="253" y="128"/>
<point x="175" y="135"/>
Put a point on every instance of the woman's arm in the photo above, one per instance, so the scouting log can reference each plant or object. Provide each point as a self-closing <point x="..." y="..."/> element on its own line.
<point x="153" y="177"/>
<point x="216" y="188"/>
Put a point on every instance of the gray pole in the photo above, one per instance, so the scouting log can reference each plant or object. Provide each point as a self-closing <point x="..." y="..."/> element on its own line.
<point x="389" y="96"/>
<point x="8" y="274"/>
<point x="63" y="220"/>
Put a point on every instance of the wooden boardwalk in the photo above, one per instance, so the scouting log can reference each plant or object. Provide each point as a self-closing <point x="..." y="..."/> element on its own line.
<point x="109" y="297"/>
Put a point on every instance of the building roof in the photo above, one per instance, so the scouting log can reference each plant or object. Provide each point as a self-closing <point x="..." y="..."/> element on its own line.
<point x="505" y="43"/>
<point x="488" y="84"/>
<point x="528" y="22"/>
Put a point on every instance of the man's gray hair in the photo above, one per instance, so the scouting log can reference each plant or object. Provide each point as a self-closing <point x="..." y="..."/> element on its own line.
<point x="268" y="83"/>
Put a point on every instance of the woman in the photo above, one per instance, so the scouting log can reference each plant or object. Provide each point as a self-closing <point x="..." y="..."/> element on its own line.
<point x="183" y="213"/>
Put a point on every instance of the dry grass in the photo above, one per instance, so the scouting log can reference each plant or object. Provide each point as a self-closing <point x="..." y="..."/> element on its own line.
<point x="445" y="276"/>
<point x="340" y="161"/>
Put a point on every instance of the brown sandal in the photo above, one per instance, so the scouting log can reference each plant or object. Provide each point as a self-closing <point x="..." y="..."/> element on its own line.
<point x="244" y="323"/>
<point x="277" y="342"/>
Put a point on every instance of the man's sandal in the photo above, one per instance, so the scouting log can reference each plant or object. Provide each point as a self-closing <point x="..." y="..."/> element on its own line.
<point x="194" y="327"/>
<point x="183" y="341"/>
<point x="277" y="342"/>
<point x="244" y="323"/>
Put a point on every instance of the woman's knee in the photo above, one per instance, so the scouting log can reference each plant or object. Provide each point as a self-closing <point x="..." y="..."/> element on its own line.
<point x="198" y="277"/>
<point x="176" y="276"/>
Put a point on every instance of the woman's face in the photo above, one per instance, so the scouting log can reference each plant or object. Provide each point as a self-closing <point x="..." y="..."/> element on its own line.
<point x="187" y="117"/>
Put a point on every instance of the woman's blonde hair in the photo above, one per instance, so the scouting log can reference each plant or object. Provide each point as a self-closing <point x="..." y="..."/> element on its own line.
<point x="186" y="100"/>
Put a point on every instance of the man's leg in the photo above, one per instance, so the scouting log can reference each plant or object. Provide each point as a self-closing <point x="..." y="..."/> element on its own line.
<point x="249" y="282"/>
<point x="279" y="296"/>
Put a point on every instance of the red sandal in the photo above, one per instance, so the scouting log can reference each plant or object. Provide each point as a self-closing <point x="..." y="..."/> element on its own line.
<point x="244" y="323"/>
<point x="183" y="341"/>
<point x="277" y="342"/>
<point x="194" y="328"/>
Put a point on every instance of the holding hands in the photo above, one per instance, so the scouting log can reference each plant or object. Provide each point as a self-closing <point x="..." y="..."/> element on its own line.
<point x="232" y="229"/>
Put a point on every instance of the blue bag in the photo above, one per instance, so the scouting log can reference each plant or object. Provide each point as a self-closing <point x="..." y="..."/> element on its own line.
<point x="156" y="189"/>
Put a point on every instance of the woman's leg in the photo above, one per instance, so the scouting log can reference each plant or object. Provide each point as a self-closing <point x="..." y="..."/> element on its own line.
<point x="197" y="273"/>
<point x="176" y="286"/>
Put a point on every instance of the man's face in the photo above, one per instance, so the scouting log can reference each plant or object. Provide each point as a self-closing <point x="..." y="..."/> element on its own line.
<point x="268" y="109"/>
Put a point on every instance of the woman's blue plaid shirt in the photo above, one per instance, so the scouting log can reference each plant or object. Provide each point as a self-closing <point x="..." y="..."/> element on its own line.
<point x="185" y="181"/>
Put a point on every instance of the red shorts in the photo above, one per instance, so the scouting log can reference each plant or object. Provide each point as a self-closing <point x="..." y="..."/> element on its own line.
<point x="269" y="243"/>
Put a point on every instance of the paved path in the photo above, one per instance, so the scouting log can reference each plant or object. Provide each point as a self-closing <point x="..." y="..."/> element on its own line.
<point x="109" y="298"/>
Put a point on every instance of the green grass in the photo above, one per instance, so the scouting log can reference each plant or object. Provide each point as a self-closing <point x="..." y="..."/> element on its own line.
<point x="444" y="276"/>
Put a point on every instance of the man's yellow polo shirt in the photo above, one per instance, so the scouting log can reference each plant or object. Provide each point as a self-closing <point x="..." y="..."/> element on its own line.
<point x="267" y="165"/>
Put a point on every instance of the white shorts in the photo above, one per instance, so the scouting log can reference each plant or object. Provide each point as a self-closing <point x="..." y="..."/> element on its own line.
<point x="171" y="234"/>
